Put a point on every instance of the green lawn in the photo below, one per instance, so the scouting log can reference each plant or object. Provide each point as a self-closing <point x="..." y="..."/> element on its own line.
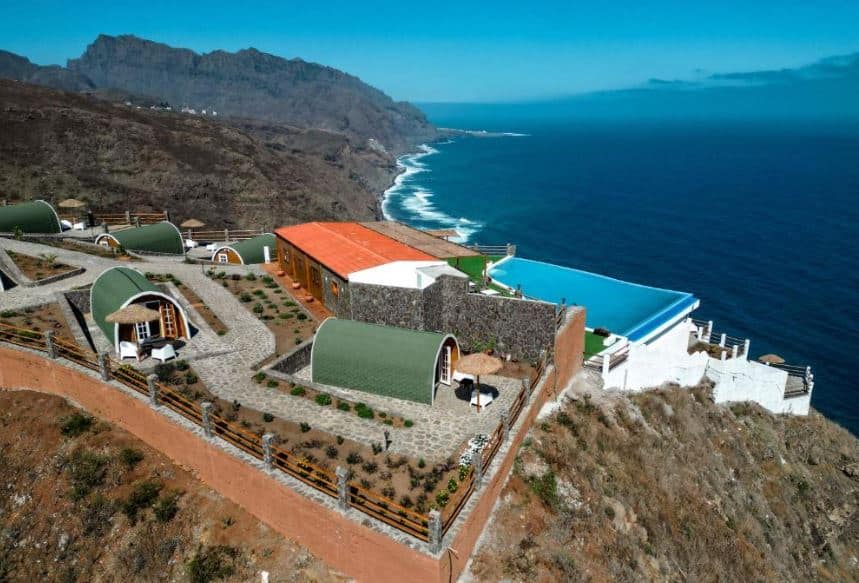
<point x="473" y="267"/>
<point x="593" y="344"/>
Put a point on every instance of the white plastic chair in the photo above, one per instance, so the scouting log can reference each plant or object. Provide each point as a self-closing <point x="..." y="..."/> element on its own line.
<point x="128" y="350"/>
<point x="190" y="244"/>
<point x="79" y="226"/>
<point x="461" y="376"/>
<point x="164" y="353"/>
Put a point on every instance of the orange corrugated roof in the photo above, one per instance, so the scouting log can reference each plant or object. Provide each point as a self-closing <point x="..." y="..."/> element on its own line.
<point x="345" y="248"/>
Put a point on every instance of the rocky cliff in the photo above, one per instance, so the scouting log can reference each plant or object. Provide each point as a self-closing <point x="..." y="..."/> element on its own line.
<point x="241" y="173"/>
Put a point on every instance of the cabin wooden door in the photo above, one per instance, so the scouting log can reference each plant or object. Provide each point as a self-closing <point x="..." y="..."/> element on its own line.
<point x="169" y="329"/>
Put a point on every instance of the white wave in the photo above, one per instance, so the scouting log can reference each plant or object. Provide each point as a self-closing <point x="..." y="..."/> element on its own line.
<point x="417" y="200"/>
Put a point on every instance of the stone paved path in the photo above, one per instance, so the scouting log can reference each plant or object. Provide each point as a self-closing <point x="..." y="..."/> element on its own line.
<point x="225" y="363"/>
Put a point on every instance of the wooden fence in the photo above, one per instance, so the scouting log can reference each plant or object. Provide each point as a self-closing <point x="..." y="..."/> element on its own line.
<point x="321" y="479"/>
<point x="221" y="235"/>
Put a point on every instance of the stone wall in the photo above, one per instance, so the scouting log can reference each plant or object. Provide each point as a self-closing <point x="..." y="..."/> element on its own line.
<point x="79" y="299"/>
<point x="339" y="304"/>
<point x="521" y="328"/>
<point x="295" y="360"/>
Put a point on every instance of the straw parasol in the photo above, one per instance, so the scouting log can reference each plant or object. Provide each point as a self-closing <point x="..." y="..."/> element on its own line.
<point x="478" y="364"/>
<point x="71" y="203"/>
<point x="192" y="224"/>
<point x="771" y="359"/>
<point x="133" y="314"/>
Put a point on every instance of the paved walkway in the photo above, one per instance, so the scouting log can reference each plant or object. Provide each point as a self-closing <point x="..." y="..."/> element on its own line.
<point x="226" y="363"/>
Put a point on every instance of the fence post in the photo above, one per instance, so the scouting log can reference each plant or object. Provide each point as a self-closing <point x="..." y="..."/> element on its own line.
<point x="435" y="531"/>
<point x="746" y="348"/>
<point x="342" y="487"/>
<point x="722" y="355"/>
<point x="137" y="221"/>
<point x="153" y="389"/>
<point x="526" y="386"/>
<point x="103" y="366"/>
<point x="206" y="408"/>
<point x="105" y="227"/>
<point x="226" y="235"/>
<point x="50" y="348"/>
<point x="267" y="455"/>
<point x="722" y="339"/>
<point x="477" y="464"/>
<point x="734" y="351"/>
<point x="127" y="217"/>
<point x="505" y="424"/>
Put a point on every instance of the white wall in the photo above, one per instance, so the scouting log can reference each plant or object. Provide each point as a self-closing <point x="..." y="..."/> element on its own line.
<point x="747" y="380"/>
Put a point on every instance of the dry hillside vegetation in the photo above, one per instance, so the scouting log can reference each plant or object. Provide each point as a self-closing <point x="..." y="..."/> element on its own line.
<point x="667" y="486"/>
<point x="238" y="174"/>
<point x="86" y="501"/>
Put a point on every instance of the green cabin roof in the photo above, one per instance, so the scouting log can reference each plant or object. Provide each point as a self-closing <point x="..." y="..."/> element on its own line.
<point x="161" y="237"/>
<point x="110" y="292"/>
<point x="383" y="360"/>
<point x="251" y="250"/>
<point x="35" y="216"/>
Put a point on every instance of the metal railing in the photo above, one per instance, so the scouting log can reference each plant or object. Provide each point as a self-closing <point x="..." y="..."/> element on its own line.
<point x="606" y="361"/>
<point x="504" y="250"/>
<point x="724" y="341"/>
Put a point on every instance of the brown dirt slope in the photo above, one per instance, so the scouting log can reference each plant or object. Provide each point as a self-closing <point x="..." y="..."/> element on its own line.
<point x="666" y="486"/>
<point x="238" y="174"/>
<point x="89" y="502"/>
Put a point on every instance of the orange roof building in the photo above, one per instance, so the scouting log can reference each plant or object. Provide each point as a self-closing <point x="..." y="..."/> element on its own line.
<point x="320" y="256"/>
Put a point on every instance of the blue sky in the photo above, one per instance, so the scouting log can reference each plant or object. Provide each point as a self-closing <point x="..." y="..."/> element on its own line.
<point x="466" y="51"/>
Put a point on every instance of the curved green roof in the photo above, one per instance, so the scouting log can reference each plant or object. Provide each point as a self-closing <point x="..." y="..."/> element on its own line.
<point x="35" y="216"/>
<point x="161" y="237"/>
<point x="251" y="250"/>
<point x="383" y="360"/>
<point x="111" y="290"/>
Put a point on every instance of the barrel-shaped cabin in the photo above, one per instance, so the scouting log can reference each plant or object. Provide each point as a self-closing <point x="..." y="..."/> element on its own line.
<point x="31" y="217"/>
<point x="161" y="238"/>
<point x="259" y="249"/>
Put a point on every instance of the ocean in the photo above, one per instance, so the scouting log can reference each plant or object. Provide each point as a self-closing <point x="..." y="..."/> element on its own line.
<point x="758" y="220"/>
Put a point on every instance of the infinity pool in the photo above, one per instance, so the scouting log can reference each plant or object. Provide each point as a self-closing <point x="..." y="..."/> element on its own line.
<point x="627" y="309"/>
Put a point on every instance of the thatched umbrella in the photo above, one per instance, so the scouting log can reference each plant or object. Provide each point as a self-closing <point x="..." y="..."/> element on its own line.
<point x="133" y="314"/>
<point x="71" y="203"/>
<point x="771" y="359"/>
<point x="478" y="364"/>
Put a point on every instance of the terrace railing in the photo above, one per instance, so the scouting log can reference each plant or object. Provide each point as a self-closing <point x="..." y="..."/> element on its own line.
<point x="502" y="250"/>
<point x="320" y="479"/>
<point x="607" y="361"/>
<point x="222" y="235"/>
<point x="129" y="218"/>
<point x="727" y="343"/>
<point x="800" y="379"/>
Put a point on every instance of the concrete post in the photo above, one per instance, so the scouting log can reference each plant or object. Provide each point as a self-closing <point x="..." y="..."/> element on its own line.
<point x="734" y="351"/>
<point x="50" y="348"/>
<point x="746" y="348"/>
<point x="606" y="363"/>
<point x="722" y="340"/>
<point x="505" y="426"/>
<point x="722" y="355"/>
<point x="226" y="235"/>
<point x="206" y="407"/>
<point x="709" y="331"/>
<point x="127" y="217"/>
<point x="435" y="531"/>
<point x="267" y="455"/>
<point x="526" y="386"/>
<point x="103" y="366"/>
<point x="342" y="488"/>
<point x="477" y="464"/>
<point x="153" y="389"/>
<point x="510" y="249"/>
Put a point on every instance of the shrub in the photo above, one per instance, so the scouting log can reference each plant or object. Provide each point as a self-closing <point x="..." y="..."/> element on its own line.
<point x="421" y="463"/>
<point x="181" y="365"/>
<point x="212" y="563"/>
<point x="165" y="371"/>
<point x="340" y="440"/>
<point x="363" y="411"/>
<point x="267" y="417"/>
<point x="130" y="457"/>
<point x="236" y="405"/>
<point x="305" y="427"/>
<point x="344" y="406"/>
<point x="221" y="332"/>
<point x="96" y="514"/>
<point x="259" y="377"/>
<point x="297" y="391"/>
<point x="388" y="421"/>
<point x="323" y="399"/>
<point x="389" y="493"/>
<point x="406" y="501"/>
<point x="289" y="303"/>
<point x="442" y="498"/>
<point x="377" y="448"/>
<point x="354" y="458"/>
<point x="251" y="277"/>
<point x="245" y="297"/>
<point x="408" y="423"/>
<point x="284" y="316"/>
<point x="301" y="316"/>
<point x="545" y="487"/>
<point x="258" y="308"/>
<point x="166" y="507"/>
<point x="370" y="467"/>
<point x="75" y="424"/>
<point x="382" y="414"/>
<point x="331" y="452"/>
<point x="452" y="486"/>
<point x="235" y="277"/>
<point x="297" y="341"/>
<point x="86" y="471"/>
<point x="190" y="378"/>
<point x="8" y="314"/>
<point x="142" y="496"/>
<point x="272" y="384"/>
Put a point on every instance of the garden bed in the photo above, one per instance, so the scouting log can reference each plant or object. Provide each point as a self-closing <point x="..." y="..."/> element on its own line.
<point x="413" y="484"/>
<point x="40" y="319"/>
<point x="273" y="305"/>
<point x="81" y="247"/>
<point x="41" y="267"/>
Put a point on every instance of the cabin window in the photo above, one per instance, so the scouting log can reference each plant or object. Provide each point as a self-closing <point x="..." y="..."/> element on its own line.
<point x="315" y="277"/>
<point x="142" y="329"/>
<point x="222" y="258"/>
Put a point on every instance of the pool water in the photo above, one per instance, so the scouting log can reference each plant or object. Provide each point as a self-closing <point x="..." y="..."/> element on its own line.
<point x="627" y="309"/>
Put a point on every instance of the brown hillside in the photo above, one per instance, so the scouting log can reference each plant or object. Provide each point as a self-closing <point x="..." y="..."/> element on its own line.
<point x="240" y="174"/>
<point x="667" y="486"/>
<point x="67" y="513"/>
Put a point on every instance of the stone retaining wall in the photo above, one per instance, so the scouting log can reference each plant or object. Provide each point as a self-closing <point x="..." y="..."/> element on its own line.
<point x="295" y="360"/>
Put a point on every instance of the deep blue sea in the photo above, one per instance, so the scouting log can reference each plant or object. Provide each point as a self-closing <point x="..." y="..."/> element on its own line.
<point x="758" y="220"/>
